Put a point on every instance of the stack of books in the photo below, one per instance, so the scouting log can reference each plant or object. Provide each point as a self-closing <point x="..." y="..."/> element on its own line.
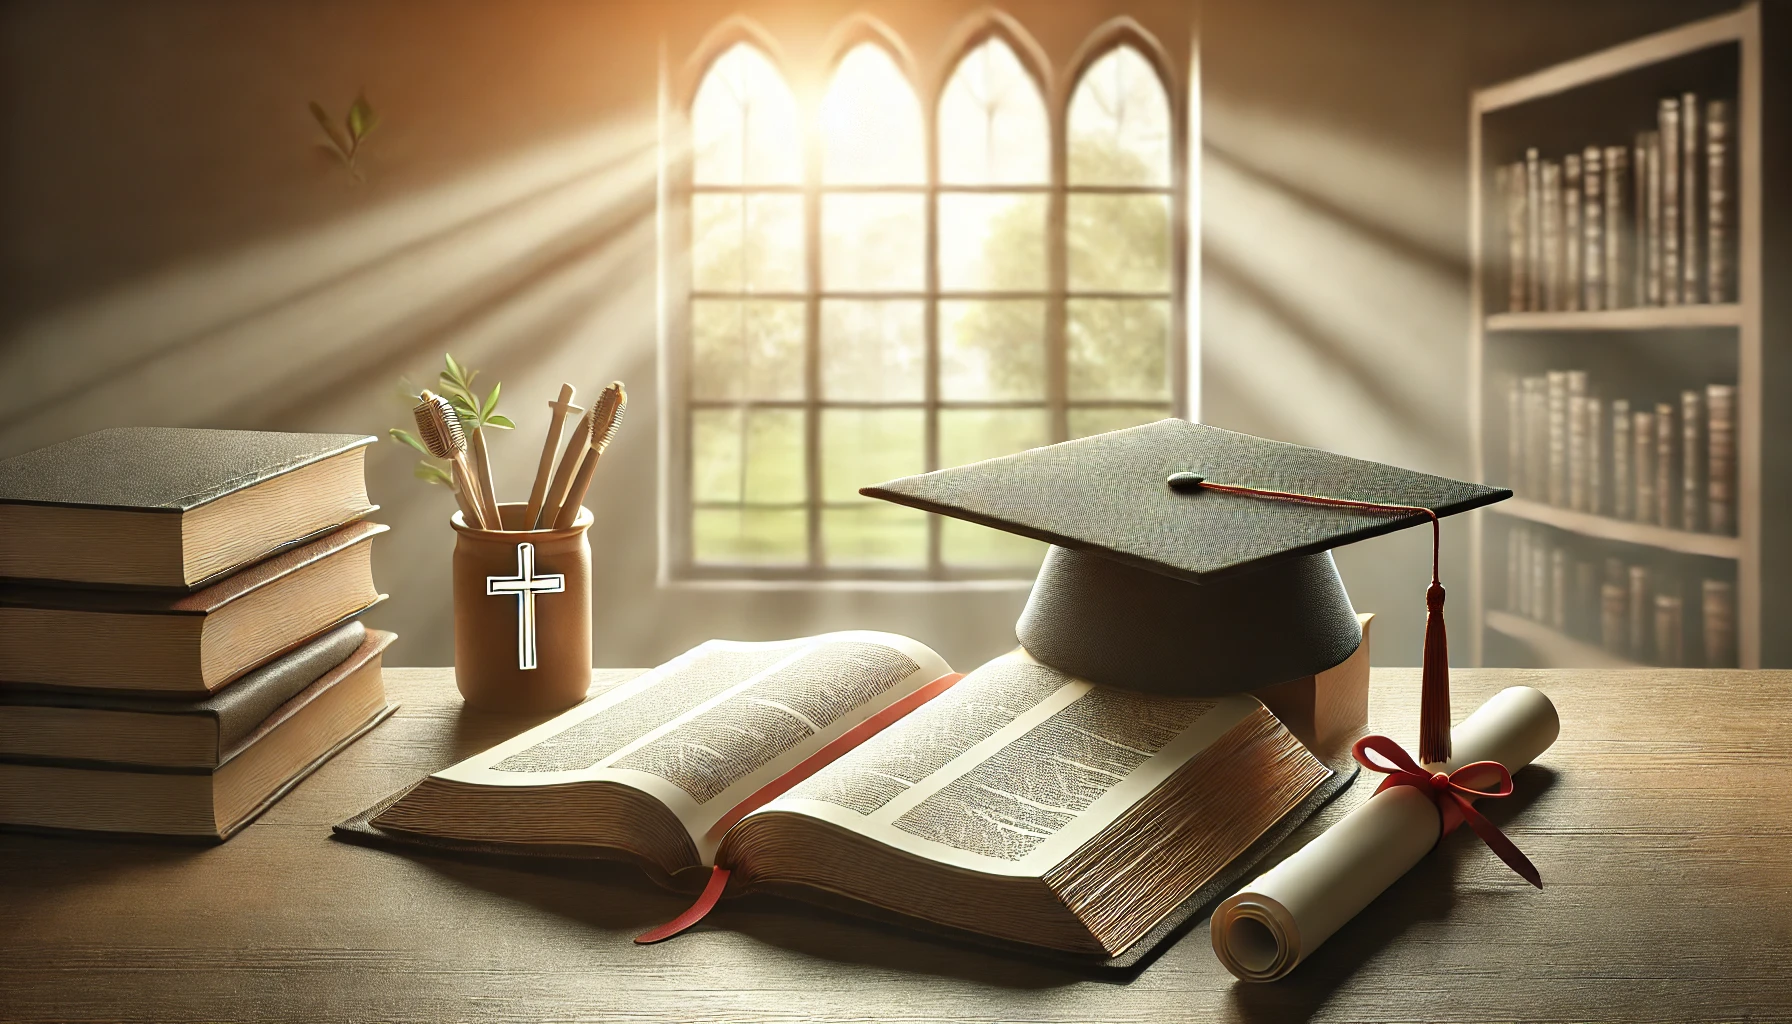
<point x="1650" y="223"/>
<point x="1669" y="464"/>
<point x="180" y="641"/>
<point x="1654" y="611"/>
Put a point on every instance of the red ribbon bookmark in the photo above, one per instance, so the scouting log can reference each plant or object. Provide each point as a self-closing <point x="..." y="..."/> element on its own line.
<point x="1454" y="800"/>
<point x="718" y="879"/>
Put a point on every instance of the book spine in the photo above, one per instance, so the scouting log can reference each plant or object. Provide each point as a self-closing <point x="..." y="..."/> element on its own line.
<point x="1618" y="231"/>
<point x="1593" y="230"/>
<point x="1572" y="234"/>
<point x="1539" y="579"/>
<point x="1512" y="229"/>
<point x="1552" y="235"/>
<point x="1533" y="230"/>
<point x="1692" y="461"/>
<point x="1667" y="477"/>
<point x="1514" y="561"/>
<point x="1614" y="618"/>
<point x="1558" y="588"/>
<point x="1523" y="571"/>
<point x="1583" y="619"/>
<point x="1515" y="434"/>
<point x="1719" y="282"/>
<point x="1577" y="453"/>
<point x="1556" y="486"/>
<point x="1536" y="438"/>
<point x="1640" y="602"/>
<point x="1642" y="464"/>
<point x="1623" y="488"/>
<point x="1718" y="615"/>
<point x="1670" y="631"/>
<point x="1668" y="125"/>
<point x="1720" y="458"/>
<point x="1691" y="236"/>
<point x="1594" y="429"/>
<point x="1649" y="149"/>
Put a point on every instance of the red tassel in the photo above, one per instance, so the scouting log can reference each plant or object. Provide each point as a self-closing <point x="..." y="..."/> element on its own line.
<point x="1434" y="682"/>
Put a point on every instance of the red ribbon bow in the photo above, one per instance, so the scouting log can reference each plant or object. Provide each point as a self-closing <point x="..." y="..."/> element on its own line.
<point x="1453" y="799"/>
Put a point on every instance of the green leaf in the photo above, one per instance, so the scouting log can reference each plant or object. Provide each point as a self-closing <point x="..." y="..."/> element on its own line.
<point x="405" y="437"/>
<point x="323" y="121"/>
<point x="361" y="118"/>
<point x="455" y="373"/>
<point x="432" y="474"/>
<point x="491" y="400"/>
<point x="501" y="422"/>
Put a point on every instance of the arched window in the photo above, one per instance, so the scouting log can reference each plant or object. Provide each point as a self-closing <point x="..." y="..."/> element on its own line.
<point x="887" y="283"/>
<point x="1119" y="288"/>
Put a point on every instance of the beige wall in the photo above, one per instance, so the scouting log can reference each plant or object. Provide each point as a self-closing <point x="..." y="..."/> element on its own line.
<point x="177" y="250"/>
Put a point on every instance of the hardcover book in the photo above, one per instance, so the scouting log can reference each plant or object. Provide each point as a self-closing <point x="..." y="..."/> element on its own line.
<point x="1719" y="275"/>
<point x="1593" y="230"/>
<point x="1017" y="805"/>
<point x="1573" y="235"/>
<point x="204" y="803"/>
<point x="190" y="644"/>
<point x="172" y="507"/>
<point x="1667" y="154"/>
<point x="1692" y="264"/>
<point x="1620" y="231"/>
<point x="124" y="729"/>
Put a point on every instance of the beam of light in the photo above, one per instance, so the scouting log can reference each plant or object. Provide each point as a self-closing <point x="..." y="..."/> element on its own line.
<point x="207" y="341"/>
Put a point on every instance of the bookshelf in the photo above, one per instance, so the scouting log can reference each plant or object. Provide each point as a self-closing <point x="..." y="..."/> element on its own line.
<point x="1646" y="354"/>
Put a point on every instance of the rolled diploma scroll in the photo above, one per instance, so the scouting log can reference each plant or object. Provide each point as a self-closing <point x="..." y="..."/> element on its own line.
<point x="1263" y="931"/>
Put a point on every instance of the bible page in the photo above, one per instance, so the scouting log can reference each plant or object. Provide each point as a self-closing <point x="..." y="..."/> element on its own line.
<point x="707" y="729"/>
<point x="1012" y="769"/>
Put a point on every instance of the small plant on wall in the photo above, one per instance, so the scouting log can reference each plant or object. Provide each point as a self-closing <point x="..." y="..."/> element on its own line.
<point x="346" y="138"/>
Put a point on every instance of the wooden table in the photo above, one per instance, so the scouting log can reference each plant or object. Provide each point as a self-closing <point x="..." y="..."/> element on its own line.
<point x="1659" y="821"/>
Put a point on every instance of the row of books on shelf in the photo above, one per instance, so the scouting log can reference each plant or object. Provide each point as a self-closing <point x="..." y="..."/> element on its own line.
<point x="1640" y="612"/>
<point x="1615" y="226"/>
<point x="1669" y="464"/>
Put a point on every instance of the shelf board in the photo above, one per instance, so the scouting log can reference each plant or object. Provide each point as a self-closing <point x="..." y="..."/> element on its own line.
<point x="1609" y="63"/>
<point x="1586" y="524"/>
<point x="1642" y="318"/>
<point x="1557" y="650"/>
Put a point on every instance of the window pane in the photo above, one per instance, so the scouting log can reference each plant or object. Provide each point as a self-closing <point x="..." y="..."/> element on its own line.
<point x="1118" y="348"/>
<point x="746" y="243"/>
<point x="761" y="463"/>
<point x="872" y="242"/>
<point x="749" y="536"/>
<point x="744" y="125"/>
<point x="992" y="242"/>
<point x="868" y="446"/>
<point x="1120" y="123"/>
<point x="971" y="435"/>
<point x="992" y="350"/>
<point x="992" y="122"/>
<point x="1084" y="422"/>
<point x="881" y="535"/>
<point x="873" y="351"/>
<point x="746" y="349"/>
<point x="1119" y="243"/>
<point x="871" y="123"/>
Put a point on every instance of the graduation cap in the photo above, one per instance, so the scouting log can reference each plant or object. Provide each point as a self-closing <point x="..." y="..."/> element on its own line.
<point x="1189" y="559"/>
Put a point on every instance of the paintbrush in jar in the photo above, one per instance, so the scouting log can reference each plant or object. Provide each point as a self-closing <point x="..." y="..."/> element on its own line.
<point x="606" y="416"/>
<point x="438" y="427"/>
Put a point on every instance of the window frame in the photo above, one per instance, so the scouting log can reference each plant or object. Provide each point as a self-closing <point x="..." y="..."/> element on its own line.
<point x="677" y="190"/>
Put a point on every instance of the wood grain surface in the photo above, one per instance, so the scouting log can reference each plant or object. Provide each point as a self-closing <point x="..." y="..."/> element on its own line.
<point x="1659" y="820"/>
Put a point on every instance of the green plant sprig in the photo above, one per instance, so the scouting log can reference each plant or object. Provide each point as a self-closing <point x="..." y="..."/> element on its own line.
<point x="346" y="141"/>
<point x="456" y="382"/>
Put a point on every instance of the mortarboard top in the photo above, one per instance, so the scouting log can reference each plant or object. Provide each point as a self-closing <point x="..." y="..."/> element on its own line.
<point x="1177" y="589"/>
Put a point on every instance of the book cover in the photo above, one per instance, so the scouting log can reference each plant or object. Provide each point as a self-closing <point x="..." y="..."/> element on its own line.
<point x="1593" y="230"/>
<point x="1692" y="159"/>
<point x="1668" y="155"/>
<point x="1719" y="277"/>
<point x="1619" y="231"/>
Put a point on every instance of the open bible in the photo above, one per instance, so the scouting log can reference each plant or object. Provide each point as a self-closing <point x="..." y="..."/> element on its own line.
<point x="1015" y="803"/>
